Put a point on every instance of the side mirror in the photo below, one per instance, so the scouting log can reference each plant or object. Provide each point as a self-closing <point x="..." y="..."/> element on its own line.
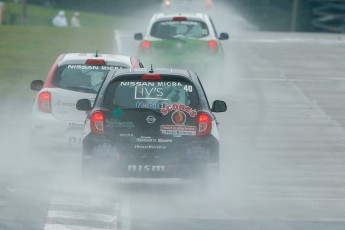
<point x="83" y="105"/>
<point x="223" y="36"/>
<point x="36" y="85"/>
<point x="219" y="106"/>
<point x="138" y="36"/>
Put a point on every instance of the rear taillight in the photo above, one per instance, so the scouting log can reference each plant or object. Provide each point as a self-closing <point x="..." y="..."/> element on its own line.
<point x="208" y="3"/>
<point x="95" y="62"/>
<point x="97" y="122"/>
<point x="145" y="47"/>
<point x="212" y="47"/>
<point x="151" y="77"/>
<point x="180" y="18"/>
<point x="44" y="102"/>
<point x="204" y="124"/>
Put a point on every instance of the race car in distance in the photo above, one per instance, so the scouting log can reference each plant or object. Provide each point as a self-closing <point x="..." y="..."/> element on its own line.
<point x="55" y="121"/>
<point x="183" y="5"/>
<point x="150" y="123"/>
<point x="187" y="41"/>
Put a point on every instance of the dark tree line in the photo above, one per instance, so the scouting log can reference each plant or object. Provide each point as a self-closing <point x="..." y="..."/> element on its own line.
<point x="272" y="15"/>
<point x="102" y="6"/>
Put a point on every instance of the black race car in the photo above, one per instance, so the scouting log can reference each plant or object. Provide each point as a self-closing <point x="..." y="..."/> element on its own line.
<point x="150" y="123"/>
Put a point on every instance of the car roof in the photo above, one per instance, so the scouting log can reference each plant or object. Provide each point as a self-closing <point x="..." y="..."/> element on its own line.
<point x="189" y="16"/>
<point x="134" y="71"/>
<point x="80" y="58"/>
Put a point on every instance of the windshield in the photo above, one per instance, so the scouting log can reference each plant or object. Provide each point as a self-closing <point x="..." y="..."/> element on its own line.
<point x="173" y="29"/>
<point x="150" y="94"/>
<point x="85" y="78"/>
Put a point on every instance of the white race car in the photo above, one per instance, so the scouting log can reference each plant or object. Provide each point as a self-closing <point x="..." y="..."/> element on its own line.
<point x="55" y="120"/>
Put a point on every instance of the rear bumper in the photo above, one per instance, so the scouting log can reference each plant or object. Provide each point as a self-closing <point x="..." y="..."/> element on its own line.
<point x="47" y="131"/>
<point x="127" y="160"/>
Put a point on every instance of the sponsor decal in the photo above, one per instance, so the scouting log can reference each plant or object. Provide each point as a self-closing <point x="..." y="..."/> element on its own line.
<point x="118" y="114"/>
<point x="91" y="67"/>
<point x="151" y="168"/>
<point x="119" y="124"/>
<point x="137" y="83"/>
<point x="153" y="93"/>
<point x="178" y="117"/>
<point x="181" y="107"/>
<point x="150" y="147"/>
<point x="146" y="140"/>
<point x="126" y="135"/>
<point x="76" y="124"/>
<point x="68" y="104"/>
<point x="143" y="139"/>
<point x="74" y="140"/>
<point x="178" y="130"/>
<point x="161" y="140"/>
<point x="150" y="119"/>
<point x="151" y="84"/>
<point x="153" y="105"/>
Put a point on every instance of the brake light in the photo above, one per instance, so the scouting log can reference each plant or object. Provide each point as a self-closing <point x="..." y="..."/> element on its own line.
<point x="95" y="62"/>
<point x="212" y="47"/>
<point x="179" y="18"/>
<point x="145" y="46"/>
<point x="44" y="102"/>
<point x="151" y="77"/>
<point x="208" y="3"/>
<point x="97" y="122"/>
<point x="204" y="124"/>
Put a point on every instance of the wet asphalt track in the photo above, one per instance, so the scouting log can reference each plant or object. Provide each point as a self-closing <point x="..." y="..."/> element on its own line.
<point x="282" y="153"/>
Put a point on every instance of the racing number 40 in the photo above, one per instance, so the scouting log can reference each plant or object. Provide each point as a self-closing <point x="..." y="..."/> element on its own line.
<point x="188" y="88"/>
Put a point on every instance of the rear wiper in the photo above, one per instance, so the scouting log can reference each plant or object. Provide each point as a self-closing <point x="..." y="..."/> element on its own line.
<point x="179" y="37"/>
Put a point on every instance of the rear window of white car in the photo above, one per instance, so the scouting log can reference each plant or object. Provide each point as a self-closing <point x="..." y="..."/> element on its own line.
<point x="150" y="94"/>
<point x="176" y="29"/>
<point x="82" y="78"/>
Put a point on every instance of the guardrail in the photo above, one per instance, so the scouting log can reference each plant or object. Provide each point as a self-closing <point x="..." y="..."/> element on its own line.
<point x="329" y="15"/>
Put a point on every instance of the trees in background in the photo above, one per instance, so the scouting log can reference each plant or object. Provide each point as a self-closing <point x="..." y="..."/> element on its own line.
<point x="271" y="15"/>
<point x="276" y="15"/>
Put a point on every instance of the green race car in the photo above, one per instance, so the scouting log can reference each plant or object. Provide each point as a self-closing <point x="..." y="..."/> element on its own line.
<point x="187" y="41"/>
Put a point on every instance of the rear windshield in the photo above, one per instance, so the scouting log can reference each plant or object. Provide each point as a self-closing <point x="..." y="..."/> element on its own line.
<point x="176" y="29"/>
<point x="150" y="94"/>
<point x="82" y="78"/>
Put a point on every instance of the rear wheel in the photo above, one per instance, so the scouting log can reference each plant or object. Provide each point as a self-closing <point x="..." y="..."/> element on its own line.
<point x="97" y="162"/>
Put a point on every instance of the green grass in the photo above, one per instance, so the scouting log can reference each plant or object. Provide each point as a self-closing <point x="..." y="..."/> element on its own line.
<point x="28" y="52"/>
<point x="42" y="16"/>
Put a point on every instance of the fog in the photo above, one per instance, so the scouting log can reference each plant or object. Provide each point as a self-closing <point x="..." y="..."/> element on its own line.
<point x="36" y="186"/>
<point x="35" y="179"/>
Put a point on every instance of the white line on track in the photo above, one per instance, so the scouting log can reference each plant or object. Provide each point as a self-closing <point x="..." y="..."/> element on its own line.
<point x="68" y="227"/>
<point x="82" y="216"/>
<point x="292" y="80"/>
<point x="118" y="42"/>
<point x="331" y="40"/>
<point x="125" y="217"/>
<point x="71" y="210"/>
